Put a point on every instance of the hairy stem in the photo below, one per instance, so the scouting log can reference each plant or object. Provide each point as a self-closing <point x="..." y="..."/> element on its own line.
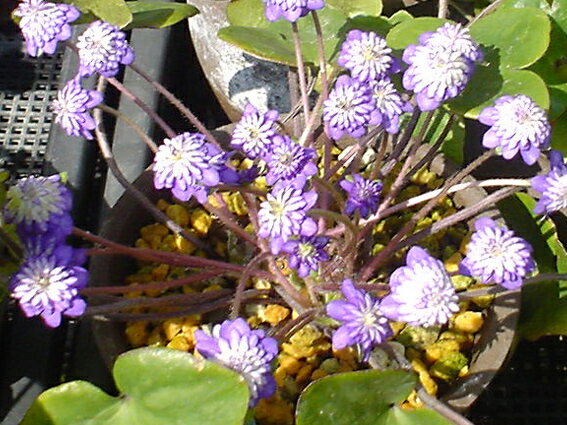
<point x="135" y="127"/>
<point x="393" y="245"/>
<point x="441" y="408"/>
<point x="300" y="71"/>
<point x="108" y="156"/>
<point x="164" y="257"/>
<point x="237" y="301"/>
<point x="176" y="103"/>
<point x="197" y="277"/>
<point x="143" y="106"/>
<point x="321" y="55"/>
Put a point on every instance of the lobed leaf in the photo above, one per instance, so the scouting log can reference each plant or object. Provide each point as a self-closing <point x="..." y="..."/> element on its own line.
<point x="335" y="21"/>
<point x="520" y="36"/>
<point x="543" y="311"/>
<point x="408" y="31"/>
<point x="398" y="416"/>
<point x="186" y="391"/>
<point x="353" y="398"/>
<point x="154" y="14"/>
<point x="115" y="12"/>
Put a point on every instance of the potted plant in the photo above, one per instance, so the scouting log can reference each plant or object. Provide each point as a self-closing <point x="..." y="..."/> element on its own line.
<point x="332" y="230"/>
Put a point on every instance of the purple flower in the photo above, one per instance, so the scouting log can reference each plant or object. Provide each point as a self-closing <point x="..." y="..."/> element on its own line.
<point x="366" y="56"/>
<point x="363" y="195"/>
<point x="247" y="175"/>
<point x="305" y="254"/>
<point x="362" y="317"/>
<point x="422" y="293"/>
<point x="48" y="285"/>
<point x="284" y="214"/>
<point x="457" y="38"/>
<point x="290" y="10"/>
<point x="350" y="108"/>
<point x="187" y="165"/>
<point x="38" y="205"/>
<point x="287" y="160"/>
<point x="254" y="132"/>
<point x="72" y="106"/>
<point x="517" y="124"/>
<point x="103" y="48"/>
<point x="496" y="255"/>
<point x="248" y="352"/>
<point x="552" y="186"/>
<point x="389" y="104"/>
<point x="435" y="73"/>
<point x="43" y="24"/>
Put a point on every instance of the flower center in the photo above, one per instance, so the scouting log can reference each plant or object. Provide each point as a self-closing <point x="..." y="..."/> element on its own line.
<point x="278" y="208"/>
<point x="306" y="250"/>
<point x="369" y="319"/>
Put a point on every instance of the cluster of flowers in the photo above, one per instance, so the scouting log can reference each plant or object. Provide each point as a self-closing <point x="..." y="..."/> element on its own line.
<point x="421" y="292"/>
<point x="441" y="65"/>
<point x="50" y="276"/>
<point x="368" y="97"/>
<point x="102" y="48"/>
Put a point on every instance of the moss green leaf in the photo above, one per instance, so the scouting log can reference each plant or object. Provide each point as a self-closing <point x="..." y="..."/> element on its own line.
<point x="559" y="134"/>
<point x="159" y="387"/>
<point x="408" y="31"/>
<point x="398" y="416"/>
<point x="259" y="42"/>
<point x="557" y="9"/>
<point x="334" y="19"/>
<point x="155" y="14"/>
<point x="378" y="24"/>
<point x="488" y="83"/>
<point x="115" y="12"/>
<point x="353" y="398"/>
<point x="543" y="311"/>
<point x="520" y="36"/>
<point x="399" y="17"/>
<point x="356" y="8"/>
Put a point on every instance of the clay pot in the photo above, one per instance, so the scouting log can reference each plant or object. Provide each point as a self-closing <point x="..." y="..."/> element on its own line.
<point x="235" y="77"/>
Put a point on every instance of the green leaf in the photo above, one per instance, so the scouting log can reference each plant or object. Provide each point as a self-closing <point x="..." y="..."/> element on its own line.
<point x="556" y="9"/>
<point x="184" y="391"/>
<point x="378" y="24"/>
<point x="488" y="83"/>
<point x="559" y="134"/>
<point x="549" y="233"/>
<point x="57" y="405"/>
<point x="455" y="138"/>
<point x="558" y="100"/>
<point x="511" y="39"/>
<point x="158" y="14"/>
<point x="115" y="12"/>
<point x="399" y="17"/>
<point x="552" y="67"/>
<point x="333" y="18"/>
<point x="408" y="31"/>
<point x="398" y="416"/>
<point x="543" y="311"/>
<point x="353" y="398"/>
<point x="520" y="36"/>
<point x="517" y="211"/>
<point x="356" y="8"/>
<point x="259" y="42"/>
